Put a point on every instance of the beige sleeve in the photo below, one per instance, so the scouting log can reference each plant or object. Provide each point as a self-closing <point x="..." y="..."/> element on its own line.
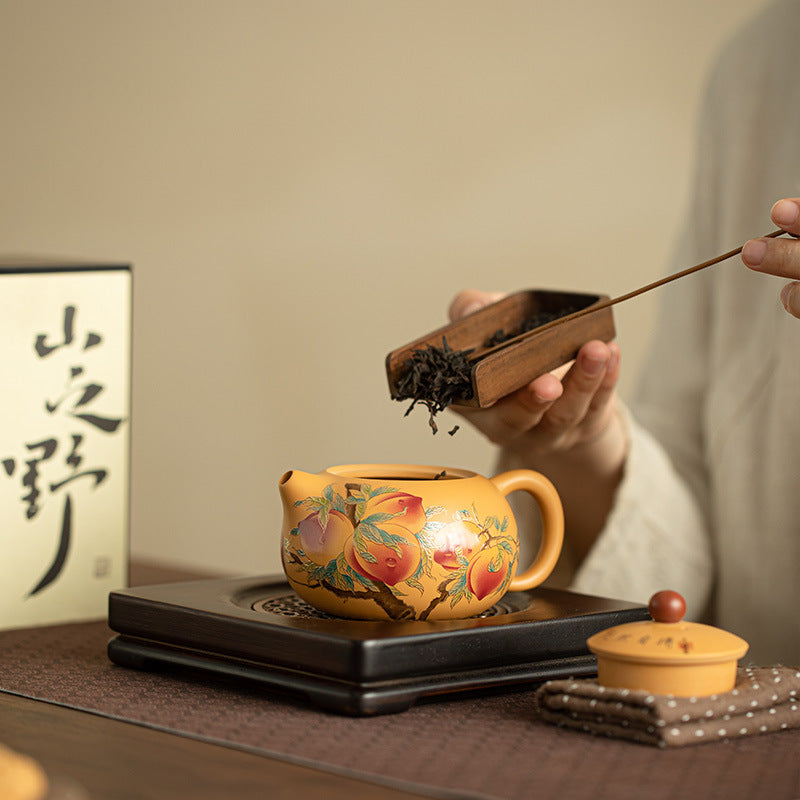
<point x="655" y="536"/>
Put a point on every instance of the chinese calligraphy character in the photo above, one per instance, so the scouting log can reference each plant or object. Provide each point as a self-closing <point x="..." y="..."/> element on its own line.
<point x="76" y="402"/>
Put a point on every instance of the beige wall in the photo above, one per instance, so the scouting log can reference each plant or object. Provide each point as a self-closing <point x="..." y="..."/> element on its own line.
<point x="303" y="185"/>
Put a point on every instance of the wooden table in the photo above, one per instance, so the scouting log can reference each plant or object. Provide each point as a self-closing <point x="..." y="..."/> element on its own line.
<point x="114" y="760"/>
<point x="489" y="745"/>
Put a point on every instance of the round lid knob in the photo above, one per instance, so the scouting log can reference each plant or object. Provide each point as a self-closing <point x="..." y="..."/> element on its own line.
<point x="667" y="606"/>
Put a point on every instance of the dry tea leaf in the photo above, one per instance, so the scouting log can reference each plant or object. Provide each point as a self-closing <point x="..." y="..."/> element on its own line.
<point x="436" y="377"/>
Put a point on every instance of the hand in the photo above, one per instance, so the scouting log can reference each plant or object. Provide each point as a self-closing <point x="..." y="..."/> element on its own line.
<point x="780" y="257"/>
<point x="564" y="424"/>
<point x="558" y="411"/>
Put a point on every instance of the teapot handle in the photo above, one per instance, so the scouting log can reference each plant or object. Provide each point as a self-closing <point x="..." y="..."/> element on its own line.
<point x="546" y="496"/>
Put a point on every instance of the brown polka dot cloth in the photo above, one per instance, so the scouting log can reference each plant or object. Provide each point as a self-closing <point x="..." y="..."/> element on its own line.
<point x="764" y="699"/>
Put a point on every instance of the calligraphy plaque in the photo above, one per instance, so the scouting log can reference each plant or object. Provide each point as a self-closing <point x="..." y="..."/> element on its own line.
<point x="65" y="340"/>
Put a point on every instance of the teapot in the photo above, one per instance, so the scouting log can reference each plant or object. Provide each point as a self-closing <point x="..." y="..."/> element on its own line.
<point x="411" y="542"/>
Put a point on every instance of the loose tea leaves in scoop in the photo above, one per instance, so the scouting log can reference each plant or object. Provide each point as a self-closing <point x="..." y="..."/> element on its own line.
<point x="529" y="324"/>
<point x="436" y="377"/>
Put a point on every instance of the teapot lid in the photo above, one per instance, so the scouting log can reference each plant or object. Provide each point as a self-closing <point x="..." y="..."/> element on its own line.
<point x="667" y="638"/>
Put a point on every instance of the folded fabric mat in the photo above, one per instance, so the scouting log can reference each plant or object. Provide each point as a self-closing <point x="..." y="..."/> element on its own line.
<point x="765" y="699"/>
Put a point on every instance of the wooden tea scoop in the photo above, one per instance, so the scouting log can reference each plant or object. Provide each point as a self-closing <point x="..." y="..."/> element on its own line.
<point x="496" y="370"/>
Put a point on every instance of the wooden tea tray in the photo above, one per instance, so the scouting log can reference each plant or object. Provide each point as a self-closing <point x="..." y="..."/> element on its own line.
<point x="257" y="631"/>
<point x="499" y="370"/>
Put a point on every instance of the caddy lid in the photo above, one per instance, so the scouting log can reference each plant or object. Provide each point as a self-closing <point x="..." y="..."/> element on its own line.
<point x="667" y="638"/>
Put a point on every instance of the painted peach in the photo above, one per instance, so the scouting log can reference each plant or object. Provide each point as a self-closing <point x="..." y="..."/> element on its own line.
<point x="455" y="537"/>
<point x="390" y="566"/>
<point x="484" y="576"/>
<point x="408" y="506"/>
<point x="322" y="544"/>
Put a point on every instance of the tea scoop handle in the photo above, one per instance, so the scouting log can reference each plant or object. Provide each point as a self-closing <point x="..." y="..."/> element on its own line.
<point x="546" y="496"/>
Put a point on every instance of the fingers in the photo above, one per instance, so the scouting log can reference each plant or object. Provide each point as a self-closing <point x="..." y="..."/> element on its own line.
<point x="779" y="257"/>
<point x="553" y="414"/>
<point x="470" y="300"/>
<point x="588" y="388"/>
<point x="790" y="297"/>
<point x="601" y="399"/>
<point x="786" y="214"/>
<point x="516" y="414"/>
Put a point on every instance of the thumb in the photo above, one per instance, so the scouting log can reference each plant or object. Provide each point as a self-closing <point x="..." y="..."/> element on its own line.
<point x="470" y="300"/>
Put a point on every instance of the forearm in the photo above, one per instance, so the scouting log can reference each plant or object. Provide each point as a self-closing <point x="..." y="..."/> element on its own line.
<point x="586" y="477"/>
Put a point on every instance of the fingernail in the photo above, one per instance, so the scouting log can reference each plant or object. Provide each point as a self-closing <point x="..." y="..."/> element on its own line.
<point x="753" y="252"/>
<point x="592" y="367"/>
<point x="785" y="212"/>
<point x="790" y="297"/>
<point x="471" y="308"/>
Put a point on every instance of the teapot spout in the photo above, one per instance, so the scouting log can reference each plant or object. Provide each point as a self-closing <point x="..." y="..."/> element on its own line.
<point x="295" y="485"/>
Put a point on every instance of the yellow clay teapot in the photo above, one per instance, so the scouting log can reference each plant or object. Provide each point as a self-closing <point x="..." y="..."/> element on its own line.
<point x="411" y="542"/>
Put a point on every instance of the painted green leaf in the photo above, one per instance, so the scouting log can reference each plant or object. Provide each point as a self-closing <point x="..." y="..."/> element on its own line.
<point x="380" y="536"/>
<point x="362" y="579"/>
<point x="380" y="516"/>
<point x="360" y="506"/>
<point x="331" y="568"/>
<point x="313" y="503"/>
<point x="367" y="531"/>
<point x="425" y="564"/>
<point x="382" y="490"/>
<point x="433" y="511"/>
<point x="426" y="537"/>
<point x="392" y="539"/>
<point x="361" y="547"/>
<point x="457" y="597"/>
